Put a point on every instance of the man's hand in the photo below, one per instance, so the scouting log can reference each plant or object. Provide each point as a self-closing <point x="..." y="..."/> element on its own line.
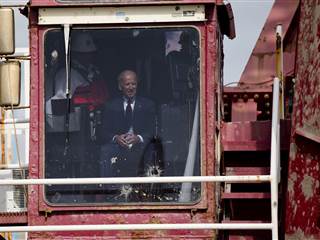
<point x="127" y="140"/>
<point x="132" y="139"/>
<point x="121" y="140"/>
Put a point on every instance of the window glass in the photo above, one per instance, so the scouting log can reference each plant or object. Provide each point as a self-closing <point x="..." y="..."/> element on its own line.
<point x="133" y="110"/>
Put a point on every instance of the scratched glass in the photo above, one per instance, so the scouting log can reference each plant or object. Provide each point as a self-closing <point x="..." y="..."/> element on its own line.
<point x="86" y="103"/>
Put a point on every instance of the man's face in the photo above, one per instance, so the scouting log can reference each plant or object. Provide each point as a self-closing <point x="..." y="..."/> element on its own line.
<point x="129" y="85"/>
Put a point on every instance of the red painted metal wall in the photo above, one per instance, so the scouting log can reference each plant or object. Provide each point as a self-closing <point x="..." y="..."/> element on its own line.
<point x="303" y="194"/>
<point x="41" y="214"/>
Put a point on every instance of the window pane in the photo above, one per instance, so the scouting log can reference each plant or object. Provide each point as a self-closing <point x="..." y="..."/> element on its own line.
<point x="133" y="110"/>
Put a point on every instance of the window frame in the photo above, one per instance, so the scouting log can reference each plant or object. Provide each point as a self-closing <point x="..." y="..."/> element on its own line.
<point x="201" y="203"/>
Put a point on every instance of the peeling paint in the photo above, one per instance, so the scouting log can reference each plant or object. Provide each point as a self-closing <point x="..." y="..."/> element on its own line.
<point x="302" y="215"/>
<point x="309" y="158"/>
<point x="307" y="186"/>
<point x="292" y="179"/>
<point x="293" y="150"/>
<point x="298" y="235"/>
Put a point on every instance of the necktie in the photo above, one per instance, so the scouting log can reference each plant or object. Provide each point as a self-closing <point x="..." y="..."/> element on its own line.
<point x="128" y="114"/>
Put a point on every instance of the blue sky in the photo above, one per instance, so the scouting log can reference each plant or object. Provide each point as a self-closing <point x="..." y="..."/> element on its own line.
<point x="250" y="16"/>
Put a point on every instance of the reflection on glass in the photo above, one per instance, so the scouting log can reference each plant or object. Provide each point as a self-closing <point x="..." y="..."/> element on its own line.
<point x="133" y="110"/>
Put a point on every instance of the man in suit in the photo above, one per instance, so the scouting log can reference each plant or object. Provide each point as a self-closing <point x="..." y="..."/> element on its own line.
<point x="129" y="123"/>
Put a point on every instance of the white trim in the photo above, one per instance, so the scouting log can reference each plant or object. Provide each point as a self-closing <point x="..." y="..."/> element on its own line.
<point x="109" y="227"/>
<point x="133" y="14"/>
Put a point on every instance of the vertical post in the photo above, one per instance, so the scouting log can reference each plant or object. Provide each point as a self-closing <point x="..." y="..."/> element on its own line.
<point x="279" y="67"/>
<point x="66" y="30"/>
<point x="274" y="161"/>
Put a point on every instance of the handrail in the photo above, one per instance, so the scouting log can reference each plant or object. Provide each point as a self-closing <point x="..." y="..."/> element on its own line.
<point x="108" y="227"/>
<point x="128" y="227"/>
<point x="126" y="180"/>
<point x="275" y="157"/>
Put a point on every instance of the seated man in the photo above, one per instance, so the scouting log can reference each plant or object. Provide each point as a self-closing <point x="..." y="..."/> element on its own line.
<point x="129" y="123"/>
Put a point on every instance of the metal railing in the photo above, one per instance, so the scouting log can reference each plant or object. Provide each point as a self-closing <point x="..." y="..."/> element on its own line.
<point x="273" y="178"/>
<point x="275" y="157"/>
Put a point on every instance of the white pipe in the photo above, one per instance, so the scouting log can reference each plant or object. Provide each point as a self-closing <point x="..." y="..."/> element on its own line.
<point x="274" y="161"/>
<point x="189" y="168"/>
<point x="108" y="227"/>
<point x="124" y="180"/>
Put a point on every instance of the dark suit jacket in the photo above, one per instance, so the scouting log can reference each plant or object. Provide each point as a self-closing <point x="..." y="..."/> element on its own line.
<point x="143" y="119"/>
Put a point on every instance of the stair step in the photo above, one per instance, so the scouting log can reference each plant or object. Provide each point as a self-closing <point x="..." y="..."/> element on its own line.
<point x="252" y="136"/>
<point x="246" y="195"/>
<point x="247" y="171"/>
<point x="246" y="136"/>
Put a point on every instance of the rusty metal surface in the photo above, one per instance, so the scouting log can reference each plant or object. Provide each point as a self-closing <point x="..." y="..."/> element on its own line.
<point x="260" y="68"/>
<point x="245" y="103"/>
<point x="302" y="216"/>
<point x="37" y="214"/>
<point x="244" y="111"/>
<point x="121" y="218"/>
<point x="13" y="218"/>
<point x="303" y="194"/>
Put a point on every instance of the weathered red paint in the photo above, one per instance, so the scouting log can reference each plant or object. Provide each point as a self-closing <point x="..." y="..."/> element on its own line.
<point x="245" y="103"/>
<point x="40" y="213"/>
<point x="303" y="215"/>
<point x="13" y="218"/>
